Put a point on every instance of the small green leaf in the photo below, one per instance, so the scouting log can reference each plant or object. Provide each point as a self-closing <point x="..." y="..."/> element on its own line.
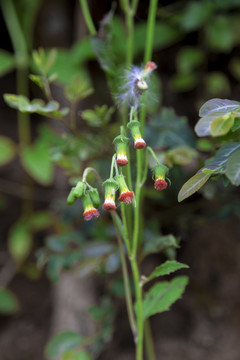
<point x="233" y="168"/>
<point x="40" y="220"/>
<point x="221" y="126"/>
<point x="188" y="59"/>
<point x="37" y="162"/>
<point x="165" y="269"/>
<point x="63" y="342"/>
<point x="7" y="150"/>
<point x="8" y="302"/>
<point x="236" y="124"/>
<point x="20" y="242"/>
<point x="82" y="355"/>
<point x="7" y="62"/>
<point x="162" y="295"/>
<point x="192" y="185"/>
<point x="217" y="83"/>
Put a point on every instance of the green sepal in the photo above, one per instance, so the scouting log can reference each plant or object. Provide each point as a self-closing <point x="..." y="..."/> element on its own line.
<point x="134" y="127"/>
<point x="111" y="183"/>
<point x="121" y="139"/>
<point x="160" y="171"/>
<point x="120" y="179"/>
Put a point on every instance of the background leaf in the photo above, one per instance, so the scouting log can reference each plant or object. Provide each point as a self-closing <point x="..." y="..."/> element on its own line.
<point x="37" y="162"/>
<point x="7" y="150"/>
<point x="233" y="168"/>
<point x="192" y="185"/>
<point x="8" y="302"/>
<point x="20" y="242"/>
<point x="7" y="62"/>
<point x="62" y="342"/>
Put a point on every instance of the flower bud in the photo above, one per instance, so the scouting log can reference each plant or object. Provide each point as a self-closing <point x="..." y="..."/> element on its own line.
<point x="134" y="127"/>
<point x="79" y="189"/>
<point x="148" y="68"/>
<point x="159" y="174"/>
<point x="125" y="194"/>
<point x="95" y="197"/>
<point x="71" y="198"/>
<point x="89" y="210"/>
<point x="110" y="186"/>
<point x="121" y="143"/>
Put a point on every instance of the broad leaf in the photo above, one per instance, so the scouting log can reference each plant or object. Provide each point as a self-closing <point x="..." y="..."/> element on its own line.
<point x="156" y="243"/>
<point x="37" y="162"/>
<point x="7" y="62"/>
<point x="221" y="126"/>
<point x="203" y="126"/>
<point x="62" y="342"/>
<point x="8" y="302"/>
<point x="165" y="269"/>
<point x="218" y="162"/>
<point x="20" y="242"/>
<point x="162" y="295"/>
<point x="7" y="150"/>
<point x="233" y="168"/>
<point x="193" y="185"/>
<point x="216" y="105"/>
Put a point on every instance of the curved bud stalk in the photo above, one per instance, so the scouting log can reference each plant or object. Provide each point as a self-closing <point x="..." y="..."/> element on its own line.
<point x="134" y="127"/>
<point x="159" y="174"/>
<point x="110" y="186"/>
<point x="121" y="143"/>
<point x="125" y="194"/>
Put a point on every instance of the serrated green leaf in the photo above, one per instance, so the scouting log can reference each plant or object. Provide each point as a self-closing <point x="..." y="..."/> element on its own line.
<point x="20" y="242"/>
<point x="8" y="302"/>
<point x="7" y="150"/>
<point x="165" y="269"/>
<point x="62" y="342"/>
<point x="221" y="126"/>
<point x="233" y="168"/>
<point x="37" y="162"/>
<point x="7" y="62"/>
<point x="162" y="295"/>
<point x="192" y="185"/>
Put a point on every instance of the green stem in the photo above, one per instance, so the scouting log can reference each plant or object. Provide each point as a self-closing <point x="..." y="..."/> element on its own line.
<point x="153" y="154"/>
<point x="21" y="55"/>
<point x="149" y="345"/>
<point x="88" y="18"/>
<point x="140" y="322"/>
<point x="125" y="226"/>
<point x="129" y="303"/>
<point x="150" y="30"/>
<point x="112" y="166"/>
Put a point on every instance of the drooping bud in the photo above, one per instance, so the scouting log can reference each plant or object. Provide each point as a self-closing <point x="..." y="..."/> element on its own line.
<point x="95" y="197"/>
<point x="79" y="189"/>
<point x="71" y="198"/>
<point x="159" y="174"/>
<point x="89" y="211"/>
<point x="121" y="143"/>
<point x="110" y="186"/>
<point x="125" y="194"/>
<point x="148" y="68"/>
<point x="76" y="192"/>
<point x="134" y="127"/>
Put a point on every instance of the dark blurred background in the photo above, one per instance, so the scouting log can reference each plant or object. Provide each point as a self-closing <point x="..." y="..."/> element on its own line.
<point x="197" y="50"/>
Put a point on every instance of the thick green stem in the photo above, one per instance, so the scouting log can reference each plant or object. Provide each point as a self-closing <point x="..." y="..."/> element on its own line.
<point x="140" y="322"/>
<point x="88" y="18"/>
<point x="149" y="345"/>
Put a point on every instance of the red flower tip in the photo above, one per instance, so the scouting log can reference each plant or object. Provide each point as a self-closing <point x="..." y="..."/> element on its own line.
<point x="160" y="184"/>
<point x="92" y="213"/>
<point x="122" y="162"/>
<point x="109" y="206"/>
<point x="150" y="65"/>
<point x="126" y="196"/>
<point x="139" y="144"/>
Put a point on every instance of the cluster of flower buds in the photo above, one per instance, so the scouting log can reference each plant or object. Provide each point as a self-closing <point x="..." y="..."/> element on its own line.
<point x="90" y="199"/>
<point x="159" y="175"/>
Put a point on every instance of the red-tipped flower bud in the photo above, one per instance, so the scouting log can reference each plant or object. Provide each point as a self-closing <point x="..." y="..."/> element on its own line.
<point x="125" y="194"/>
<point x="159" y="174"/>
<point x="121" y="143"/>
<point x="134" y="127"/>
<point x="89" y="211"/>
<point x="110" y="186"/>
